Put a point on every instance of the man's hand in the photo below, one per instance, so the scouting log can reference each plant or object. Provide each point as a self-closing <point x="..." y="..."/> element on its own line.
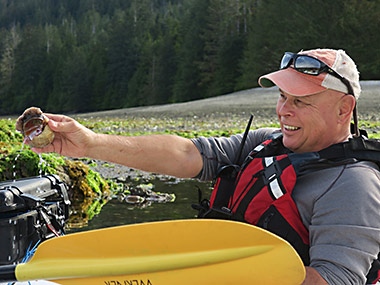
<point x="71" y="138"/>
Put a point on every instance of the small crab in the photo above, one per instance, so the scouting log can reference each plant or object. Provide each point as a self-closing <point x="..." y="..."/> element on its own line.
<point x="33" y="125"/>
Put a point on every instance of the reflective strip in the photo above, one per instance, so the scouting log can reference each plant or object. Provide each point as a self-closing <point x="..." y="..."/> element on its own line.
<point x="259" y="148"/>
<point x="275" y="188"/>
<point x="268" y="161"/>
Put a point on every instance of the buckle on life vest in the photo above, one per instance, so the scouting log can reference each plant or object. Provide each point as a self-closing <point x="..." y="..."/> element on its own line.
<point x="271" y="170"/>
<point x="229" y="171"/>
<point x="222" y="213"/>
<point x="205" y="211"/>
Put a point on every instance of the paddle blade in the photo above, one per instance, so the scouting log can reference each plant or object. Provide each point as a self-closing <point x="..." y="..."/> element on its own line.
<point x="171" y="252"/>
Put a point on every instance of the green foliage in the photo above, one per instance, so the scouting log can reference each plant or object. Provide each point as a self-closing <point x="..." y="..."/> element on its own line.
<point x="372" y="128"/>
<point x="7" y="132"/>
<point x="97" y="183"/>
<point x="18" y="164"/>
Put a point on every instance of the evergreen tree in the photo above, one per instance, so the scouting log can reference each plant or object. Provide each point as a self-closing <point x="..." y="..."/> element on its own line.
<point x="187" y="86"/>
<point x="153" y="80"/>
<point x="30" y="56"/>
<point x="358" y="29"/>
<point x="224" y="36"/>
<point x="166" y="69"/>
<point x="11" y="40"/>
<point x="122" y="57"/>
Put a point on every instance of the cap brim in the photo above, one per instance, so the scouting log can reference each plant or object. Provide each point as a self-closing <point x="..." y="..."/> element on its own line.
<point x="293" y="82"/>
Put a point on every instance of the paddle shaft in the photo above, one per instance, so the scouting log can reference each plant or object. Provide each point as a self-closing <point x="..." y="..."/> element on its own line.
<point x="77" y="268"/>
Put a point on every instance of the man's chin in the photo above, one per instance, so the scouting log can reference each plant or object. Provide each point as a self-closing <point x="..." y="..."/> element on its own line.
<point x="290" y="143"/>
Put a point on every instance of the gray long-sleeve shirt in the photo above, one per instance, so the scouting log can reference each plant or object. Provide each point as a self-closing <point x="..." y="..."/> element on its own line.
<point x="340" y="206"/>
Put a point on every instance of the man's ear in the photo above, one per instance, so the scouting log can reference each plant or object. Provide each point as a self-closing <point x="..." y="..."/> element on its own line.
<point x="346" y="106"/>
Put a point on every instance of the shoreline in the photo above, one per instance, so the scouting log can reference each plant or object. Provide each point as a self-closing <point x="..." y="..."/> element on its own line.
<point x="261" y="102"/>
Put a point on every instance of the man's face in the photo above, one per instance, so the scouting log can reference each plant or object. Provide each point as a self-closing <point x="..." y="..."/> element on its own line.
<point x="309" y="123"/>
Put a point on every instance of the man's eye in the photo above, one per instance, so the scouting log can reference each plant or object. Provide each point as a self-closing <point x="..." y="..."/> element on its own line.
<point x="301" y="102"/>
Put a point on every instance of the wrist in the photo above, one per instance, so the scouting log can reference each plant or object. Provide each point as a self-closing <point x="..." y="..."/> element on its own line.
<point x="94" y="145"/>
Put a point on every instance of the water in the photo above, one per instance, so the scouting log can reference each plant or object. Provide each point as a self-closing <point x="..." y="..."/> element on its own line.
<point x="40" y="164"/>
<point x="116" y="213"/>
<point x="17" y="156"/>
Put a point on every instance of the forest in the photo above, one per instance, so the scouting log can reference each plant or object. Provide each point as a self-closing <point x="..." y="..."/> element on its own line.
<point x="88" y="55"/>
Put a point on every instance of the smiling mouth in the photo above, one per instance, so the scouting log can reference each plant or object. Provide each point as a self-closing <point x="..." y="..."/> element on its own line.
<point x="290" y="128"/>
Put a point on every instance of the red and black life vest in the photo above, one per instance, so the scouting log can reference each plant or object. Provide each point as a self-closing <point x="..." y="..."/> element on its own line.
<point x="259" y="191"/>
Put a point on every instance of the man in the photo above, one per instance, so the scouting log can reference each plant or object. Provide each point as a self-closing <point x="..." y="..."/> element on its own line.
<point x="338" y="205"/>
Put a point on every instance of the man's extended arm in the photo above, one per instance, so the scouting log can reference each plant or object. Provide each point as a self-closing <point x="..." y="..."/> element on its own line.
<point x="164" y="154"/>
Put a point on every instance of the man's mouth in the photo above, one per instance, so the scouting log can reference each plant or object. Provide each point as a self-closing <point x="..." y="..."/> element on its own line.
<point x="291" y="128"/>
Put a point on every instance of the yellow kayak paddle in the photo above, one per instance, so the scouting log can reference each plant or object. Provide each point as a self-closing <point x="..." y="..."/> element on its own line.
<point x="171" y="252"/>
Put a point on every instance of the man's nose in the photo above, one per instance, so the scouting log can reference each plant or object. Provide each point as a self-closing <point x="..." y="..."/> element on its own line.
<point x="284" y="108"/>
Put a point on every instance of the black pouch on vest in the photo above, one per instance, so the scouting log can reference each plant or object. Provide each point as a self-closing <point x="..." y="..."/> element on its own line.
<point x="31" y="210"/>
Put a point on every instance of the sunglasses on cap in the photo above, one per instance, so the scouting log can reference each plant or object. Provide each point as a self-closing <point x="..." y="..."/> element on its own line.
<point x="311" y="66"/>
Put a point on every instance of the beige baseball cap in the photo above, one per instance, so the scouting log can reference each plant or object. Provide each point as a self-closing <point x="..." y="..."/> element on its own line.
<point x="301" y="84"/>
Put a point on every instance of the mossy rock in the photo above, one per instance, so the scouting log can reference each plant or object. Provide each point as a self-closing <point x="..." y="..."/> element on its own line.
<point x="82" y="181"/>
<point x="88" y="191"/>
<point x="86" y="182"/>
<point x="91" y="194"/>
